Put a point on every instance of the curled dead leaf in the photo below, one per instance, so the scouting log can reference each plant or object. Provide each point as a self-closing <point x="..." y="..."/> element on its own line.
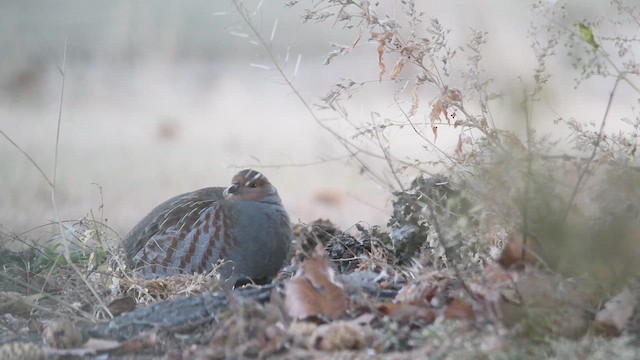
<point x="408" y="312"/>
<point x="459" y="310"/>
<point x="436" y="110"/>
<point x="397" y="68"/>
<point x="459" y="146"/>
<point x="382" y="39"/>
<point x="381" y="67"/>
<point x="314" y="292"/>
<point x="453" y="95"/>
<point x="415" y="102"/>
<point x="122" y="305"/>
<point x="512" y="252"/>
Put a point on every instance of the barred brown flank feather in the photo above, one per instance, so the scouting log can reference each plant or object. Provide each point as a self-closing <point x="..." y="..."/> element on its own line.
<point x="186" y="257"/>
<point x="173" y="244"/>
<point x="204" y="262"/>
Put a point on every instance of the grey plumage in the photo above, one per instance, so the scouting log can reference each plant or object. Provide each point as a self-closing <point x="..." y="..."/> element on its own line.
<point x="244" y="225"/>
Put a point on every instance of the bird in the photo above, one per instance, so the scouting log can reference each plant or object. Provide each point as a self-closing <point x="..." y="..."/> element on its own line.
<point x="244" y="226"/>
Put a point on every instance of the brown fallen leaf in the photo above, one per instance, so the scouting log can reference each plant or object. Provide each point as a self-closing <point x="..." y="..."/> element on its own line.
<point x="409" y="312"/>
<point x="459" y="310"/>
<point x="336" y="336"/>
<point x="314" y="292"/>
<point x="612" y="320"/>
<point x="138" y="344"/>
<point x="122" y="305"/>
<point x="512" y="251"/>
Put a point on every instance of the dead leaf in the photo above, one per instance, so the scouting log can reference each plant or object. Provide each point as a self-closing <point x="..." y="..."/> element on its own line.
<point x="337" y="336"/>
<point x="122" y="305"/>
<point x="314" y="292"/>
<point x="431" y="289"/>
<point x="382" y="68"/>
<point x="408" y="312"/>
<point x="513" y="250"/>
<point x="438" y="108"/>
<point x="138" y="344"/>
<point x="459" y="310"/>
<point x="435" y="133"/>
<point x="453" y="95"/>
<point x="415" y="102"/>
<point x="459" y="146"/>
<point x="397" y="68"/>
<point x="612" y="320"/>
<point x="382" y="39"/>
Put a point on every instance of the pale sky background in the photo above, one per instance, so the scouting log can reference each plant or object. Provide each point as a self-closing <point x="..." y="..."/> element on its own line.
<point x="161" y="99"/>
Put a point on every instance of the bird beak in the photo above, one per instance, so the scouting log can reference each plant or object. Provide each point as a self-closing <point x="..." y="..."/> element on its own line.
<point x="232" y="189"/>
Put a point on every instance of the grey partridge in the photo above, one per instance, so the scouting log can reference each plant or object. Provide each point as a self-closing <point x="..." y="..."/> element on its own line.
<point x="244" y="225"/>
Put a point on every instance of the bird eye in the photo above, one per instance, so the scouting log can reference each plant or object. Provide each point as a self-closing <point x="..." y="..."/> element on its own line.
<point x="253" y="185"/>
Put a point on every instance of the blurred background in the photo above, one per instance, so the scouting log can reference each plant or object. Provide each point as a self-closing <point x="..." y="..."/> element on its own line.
<point x="164" y="97"/>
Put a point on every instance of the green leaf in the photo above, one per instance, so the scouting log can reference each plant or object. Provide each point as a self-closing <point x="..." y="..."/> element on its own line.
<point x="587" y="35"/>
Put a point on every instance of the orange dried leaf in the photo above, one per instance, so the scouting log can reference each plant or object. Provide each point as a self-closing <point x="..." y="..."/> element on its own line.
<point x="438" y="108"/>
<point x="446" y="115"/>
<point x="459" y="147"/>
<point x="397" y="68"/>
<point x="459" y="310"/>
<point x="382" y="39"/>
<point x="454" y="95"/>
<point x="513" y="250"/>
<point x="381" y="65"/>
<point x="408" y="312"/>
<point x="415" y="102"/>
<point x="313" y="291"/>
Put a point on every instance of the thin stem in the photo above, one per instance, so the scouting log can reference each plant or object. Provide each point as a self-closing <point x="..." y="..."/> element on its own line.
<point x="33" y="162"/>
<point x="596" y="144"/>
<point x="65" y="241"/>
